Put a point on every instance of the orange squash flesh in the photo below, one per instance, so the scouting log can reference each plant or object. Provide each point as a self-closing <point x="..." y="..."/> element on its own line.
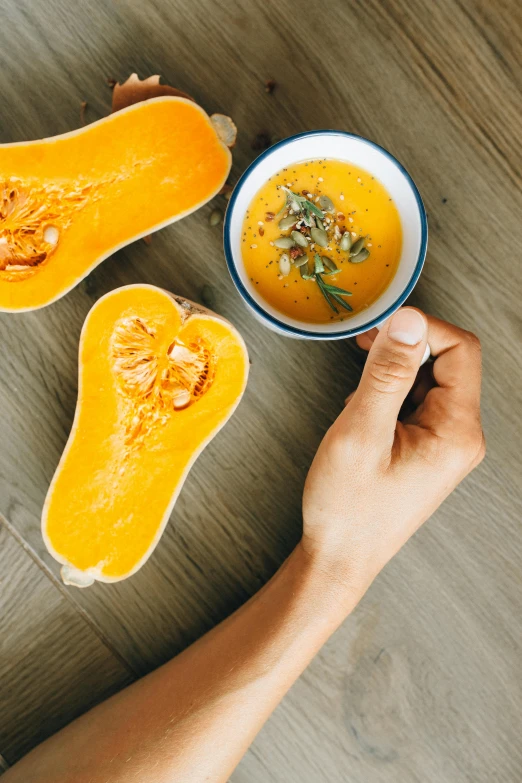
<point x="68" y="202"/>
<point x="158" y="377"/>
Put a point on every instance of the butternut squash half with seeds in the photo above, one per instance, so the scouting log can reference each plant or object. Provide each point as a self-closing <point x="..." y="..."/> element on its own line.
<point x="158" y="377"/>
<point x="68" y="202"/>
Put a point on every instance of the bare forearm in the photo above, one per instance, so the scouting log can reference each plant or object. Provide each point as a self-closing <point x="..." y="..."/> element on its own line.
<point x="372" y="483"/>
<point x="192" y="719"/>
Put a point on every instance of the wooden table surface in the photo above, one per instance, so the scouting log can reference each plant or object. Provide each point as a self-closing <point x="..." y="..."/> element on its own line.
<point x="424" y="681"/>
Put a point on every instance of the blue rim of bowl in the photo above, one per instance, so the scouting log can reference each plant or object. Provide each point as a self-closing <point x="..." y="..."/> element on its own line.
<point x="281" y="325"/>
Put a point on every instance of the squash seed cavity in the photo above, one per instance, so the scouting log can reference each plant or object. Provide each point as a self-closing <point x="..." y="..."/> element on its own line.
<point x="154" y="381"/>
<point x="31" y="221"/>
<point x="33" y="218"/>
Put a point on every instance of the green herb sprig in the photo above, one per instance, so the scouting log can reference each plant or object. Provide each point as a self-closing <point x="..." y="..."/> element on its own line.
<point x="305" y="206"/>
<point x="332" y="293"/>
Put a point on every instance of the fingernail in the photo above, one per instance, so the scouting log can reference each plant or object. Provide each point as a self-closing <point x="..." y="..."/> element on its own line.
<point x="407" y="327"/>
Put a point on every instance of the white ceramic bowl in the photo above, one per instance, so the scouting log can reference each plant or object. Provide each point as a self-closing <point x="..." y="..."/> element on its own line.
<point x="382" y="165"/>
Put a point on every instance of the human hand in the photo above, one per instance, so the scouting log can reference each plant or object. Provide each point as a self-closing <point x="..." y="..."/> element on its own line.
<point x="375" y="479"/>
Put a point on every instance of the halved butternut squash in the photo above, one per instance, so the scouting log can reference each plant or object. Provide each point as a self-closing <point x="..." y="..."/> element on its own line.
<point x="158" y="377"/>
<point x="68" y="202"/>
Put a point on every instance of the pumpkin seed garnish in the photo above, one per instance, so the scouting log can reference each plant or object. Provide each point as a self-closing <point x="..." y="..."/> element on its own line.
<point x="362" y="255"/>
<point x="326" y="204"/>
<point x="287" y="222"/>
<point x="332" y="293"/>
<point x="357" y="246"/>
<point x="346" y="241"/>
<point x="299" y="238"/>
<point x="329" y="264"/>
<point x="284" y="243"/>
<point x="216" y="216"/>
<point x="319" y="236"/>
<point x="301" y="204"/>
<point x="300" y="261"/>
<point x="284" y="264"/>
<point x="305" y="221"/>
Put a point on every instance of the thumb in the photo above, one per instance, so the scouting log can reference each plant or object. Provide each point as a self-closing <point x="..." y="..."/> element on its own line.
<point x="390" y="370"/>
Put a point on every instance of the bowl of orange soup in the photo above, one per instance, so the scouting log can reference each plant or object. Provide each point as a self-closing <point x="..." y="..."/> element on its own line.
<point x="325" y="235"/>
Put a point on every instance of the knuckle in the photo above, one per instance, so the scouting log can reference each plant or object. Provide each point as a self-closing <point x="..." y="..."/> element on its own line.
<point x="473" y="342"/>
<point x="389" y="372"/>
<point x="471" y="447"/>
<point x="481" y="452"/>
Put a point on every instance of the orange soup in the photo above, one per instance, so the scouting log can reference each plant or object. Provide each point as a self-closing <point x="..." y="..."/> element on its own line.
<point x="321" y="240"/>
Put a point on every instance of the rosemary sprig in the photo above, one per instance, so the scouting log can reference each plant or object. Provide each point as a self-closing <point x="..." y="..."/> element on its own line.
<point x="309" y="214"/>
<point x="303" y="203"/>
<point x="332" y="293"/>
<point x="325" y="293"/>
<point x="336" y="290"/>
<point x="318" y="264"/>
<point x="340" y="301"/>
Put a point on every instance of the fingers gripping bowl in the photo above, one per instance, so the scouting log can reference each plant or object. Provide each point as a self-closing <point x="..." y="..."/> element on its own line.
<point x="288" y="156"/>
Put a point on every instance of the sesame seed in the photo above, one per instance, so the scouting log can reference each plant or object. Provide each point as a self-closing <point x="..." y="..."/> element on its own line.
<point x="253" y="247"/>
<point x="279" y="277"/>
<point x="354" y="233"/>
<point x="288" y="184"/>
<point x="320" y="179"/>
<point x="341" y="197"/>
<point x="359" y="179"/>
<point x="369" y="244"/>
<point x="272" y="244"/>
<point x="260" y="223"/>
<point x="309" y="195"/>
<point x="350" y="220"/>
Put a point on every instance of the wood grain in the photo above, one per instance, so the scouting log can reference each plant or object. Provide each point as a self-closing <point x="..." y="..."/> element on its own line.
<point x="52" y="664"/>
<point x="423" y="681"/>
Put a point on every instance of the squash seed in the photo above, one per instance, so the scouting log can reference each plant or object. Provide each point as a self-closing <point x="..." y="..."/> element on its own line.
<point x="346" y="241"/>
<point x="287" y="222"/>
<point x="216" y="216"/>
<point x="319" y="237"/>
<point x="182" y="399"/>
<point x="319" y="224"/>
<point x="51" y="235"/>
<point x="329" y="264"/>
<point x="300" y="261"/>
<point x="299" y="238"/>
<point x="284" y="243"/>
<point x="362" y="255"/>
<point x="304" y="271"/>
<point x="284" y="264"/>
<point x="326" y="204"/>
<point x="357" y="246"/>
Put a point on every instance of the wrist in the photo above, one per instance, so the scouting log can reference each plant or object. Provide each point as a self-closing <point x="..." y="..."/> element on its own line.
<point x="331" y="592"/>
